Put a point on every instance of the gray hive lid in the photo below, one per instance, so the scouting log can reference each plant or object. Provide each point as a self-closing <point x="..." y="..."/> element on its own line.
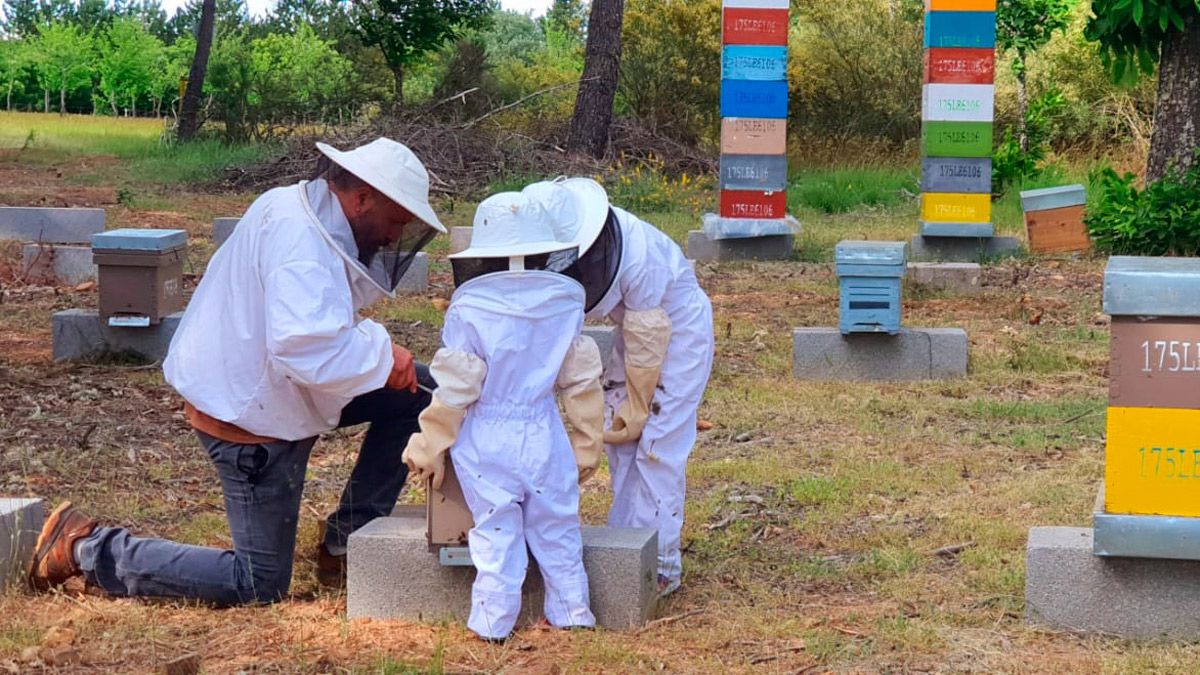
<point x="152" y="241"/>
<point x="1136" y="286"/>
<point x="889" y="253"/>
<point x="1053" y="198"/>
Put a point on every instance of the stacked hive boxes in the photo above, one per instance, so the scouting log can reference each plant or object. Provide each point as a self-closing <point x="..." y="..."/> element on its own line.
<point x="958" y="104"/>
<point x="754" y="105"/>
<point x="1152" y="463"/>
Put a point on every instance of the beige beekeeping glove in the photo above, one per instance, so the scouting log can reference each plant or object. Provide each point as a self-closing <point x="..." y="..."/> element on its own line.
<point x="583" y="402"/>
<point x="460" y="380"/>
<point x="647" y="334"/>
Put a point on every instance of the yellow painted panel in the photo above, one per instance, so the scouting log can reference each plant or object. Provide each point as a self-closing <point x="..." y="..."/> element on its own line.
<point x="1152" y="465"/>
<point x="960" y="5"/>
<point x="944" y="207"/>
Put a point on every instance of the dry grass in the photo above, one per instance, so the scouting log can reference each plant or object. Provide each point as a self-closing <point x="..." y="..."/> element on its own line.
<point x="828" y="567"/>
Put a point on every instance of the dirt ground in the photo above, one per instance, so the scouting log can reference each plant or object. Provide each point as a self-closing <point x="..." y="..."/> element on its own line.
<point x="815" y="518"/>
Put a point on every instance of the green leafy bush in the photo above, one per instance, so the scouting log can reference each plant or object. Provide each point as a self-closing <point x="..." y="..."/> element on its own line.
<point x="1163" y="219"/>
<point x="1009" y="164"/>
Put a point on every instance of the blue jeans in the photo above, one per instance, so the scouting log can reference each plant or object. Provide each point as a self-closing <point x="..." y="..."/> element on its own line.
<point x="262" y="486"/>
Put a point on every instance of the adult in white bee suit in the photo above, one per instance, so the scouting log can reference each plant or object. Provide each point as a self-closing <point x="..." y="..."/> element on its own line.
<point x="271" y="353"/>
<point x="512" y="340"/>
<point x="638" y="278"/>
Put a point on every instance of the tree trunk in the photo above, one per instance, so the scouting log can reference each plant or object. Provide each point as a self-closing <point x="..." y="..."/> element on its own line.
<point x="1023" y="105"/>
<point x="1177" y="110"/>
<point x="592" y="121"/>
<point x="113" y="102"/>
<point x="62" y="101"/>
<point x="46" y="96"/>
<point x="189" y="109"/>
<point x="398" y="78"/>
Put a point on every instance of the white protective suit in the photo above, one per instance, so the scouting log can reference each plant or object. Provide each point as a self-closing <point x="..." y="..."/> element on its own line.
<point x="271" y="341"/>
<point x="648" y="476"/>
<point x="513" y="456"/>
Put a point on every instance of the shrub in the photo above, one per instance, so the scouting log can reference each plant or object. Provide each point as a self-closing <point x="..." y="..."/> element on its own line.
<point x="1163" y="219"/>
<point x="1010" y="165"/>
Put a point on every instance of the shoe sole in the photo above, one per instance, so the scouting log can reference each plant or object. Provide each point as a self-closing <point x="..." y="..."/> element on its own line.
<point x="45" y="542"/>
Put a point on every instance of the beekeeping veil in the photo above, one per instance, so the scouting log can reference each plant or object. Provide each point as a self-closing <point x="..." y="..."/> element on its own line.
<point x="513" y="233"/>
<point x="396" y="173"/>
<point x="580" y="211"/>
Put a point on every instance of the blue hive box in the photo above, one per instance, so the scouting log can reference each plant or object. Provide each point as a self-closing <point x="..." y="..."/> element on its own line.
<point x="975" y="30"/>
<point x="139" y="241"/>
<point x="870" y="274"/>
<point x="746" y="98"/>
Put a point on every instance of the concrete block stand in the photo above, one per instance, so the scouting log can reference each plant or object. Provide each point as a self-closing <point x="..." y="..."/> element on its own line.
<point x="960" y="249"/>
<point x="392" y="574"/>
<point x="49" y="225"/>
<point x="20" y="522"/>
<point x="1069" y="588"/>
<point x="223" y="229"/>
<point x="957" y="278"/>
<point x="824" y="354"/>
<point x="775" y="247"/>
<point x="604" y="337"/>
<point x="57" y="264"/>
<point x="79" y="334"/>
<point x="415" y="279"/>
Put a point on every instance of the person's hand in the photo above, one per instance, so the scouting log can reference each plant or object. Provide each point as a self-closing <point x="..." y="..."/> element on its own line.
<point x="423" y="464"/>
<point x="404" y="370"/>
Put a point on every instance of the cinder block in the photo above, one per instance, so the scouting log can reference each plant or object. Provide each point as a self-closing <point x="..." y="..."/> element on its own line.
<point x="959" y="249"/>
<point x="774" y="247"/>
<point x="460" y="239"/>
<point x="57" y="264"/>
<point x="605" y="337"/>
<point x="50" y="226"/>
<point x="79" y="334"/>
<point x="960" y="278"/>
<point x="1069" y="588"/>
<point x="824" y="354"/>
<point x="392" y="574"/>
<point x="223" y="229"/>
<point x="20" y="522"/>
<point x="416" y="279"/>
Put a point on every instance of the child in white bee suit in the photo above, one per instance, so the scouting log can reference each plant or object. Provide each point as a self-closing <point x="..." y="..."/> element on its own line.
<point x="638" y="278"/>
<point x="511" y="342"/>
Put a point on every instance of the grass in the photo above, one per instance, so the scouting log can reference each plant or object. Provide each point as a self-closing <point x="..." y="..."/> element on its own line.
<point x="148" y="157"/>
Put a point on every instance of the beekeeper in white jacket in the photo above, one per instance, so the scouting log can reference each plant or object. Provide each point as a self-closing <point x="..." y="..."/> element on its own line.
<point x="511" y="342"/>
<point x="637" y="277"/>
<point x="271" y="353"/>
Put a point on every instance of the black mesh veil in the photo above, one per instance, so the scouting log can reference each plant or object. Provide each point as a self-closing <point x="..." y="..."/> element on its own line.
<point x="563" y="262"/>
<point x="598" y="267"/>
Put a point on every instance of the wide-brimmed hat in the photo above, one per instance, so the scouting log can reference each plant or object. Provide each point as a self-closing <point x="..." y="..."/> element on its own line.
<point x="509" y="225"/>
<point x="578" y="207"/>
<point x="393" y="170"/>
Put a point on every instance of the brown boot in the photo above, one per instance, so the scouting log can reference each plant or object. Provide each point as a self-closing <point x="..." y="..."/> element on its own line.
<point x="54" y="556"/>
<point x="331" y="569"/>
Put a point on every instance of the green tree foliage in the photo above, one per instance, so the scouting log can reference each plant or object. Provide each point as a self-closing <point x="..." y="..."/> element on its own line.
<point x="1012" y="162"/>
<point x="129" y="59"/>
<point x="1025" y="26"/>
<point x="64" y="58"/>
<point x="14" y="66"/>
<point x="1131" y="33"/>
<point x="297" y="77"/>
<point x="567" y="17"/>
<point x="404" y="30"/>
<point x="671" y="65"/>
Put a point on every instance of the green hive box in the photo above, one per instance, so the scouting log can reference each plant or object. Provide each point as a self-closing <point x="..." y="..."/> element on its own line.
<point x="957" y="139"/>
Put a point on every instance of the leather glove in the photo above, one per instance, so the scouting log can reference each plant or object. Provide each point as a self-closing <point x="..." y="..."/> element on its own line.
<point x="583" y="403"/>
<point x="647" y="334"/>
<point x="460" y="379"/>
<point x="426" y="451"/>
<point x="404" y="371"/>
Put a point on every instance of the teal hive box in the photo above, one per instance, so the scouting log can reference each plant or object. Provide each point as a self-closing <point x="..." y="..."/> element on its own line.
<point x="870" y="275"/>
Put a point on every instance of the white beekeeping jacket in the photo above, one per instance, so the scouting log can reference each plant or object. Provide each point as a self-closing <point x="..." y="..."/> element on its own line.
<point x="272" y="341"/>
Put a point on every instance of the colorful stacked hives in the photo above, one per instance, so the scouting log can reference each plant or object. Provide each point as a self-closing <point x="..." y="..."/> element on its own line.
<point x="754" y="106"/>
<point x="958" y="104"/>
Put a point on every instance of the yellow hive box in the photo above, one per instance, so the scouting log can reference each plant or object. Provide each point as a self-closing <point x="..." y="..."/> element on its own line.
<point x="960" y="5"/>
<point x="1152" y="465"/>
<point x="944" y="207"/>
